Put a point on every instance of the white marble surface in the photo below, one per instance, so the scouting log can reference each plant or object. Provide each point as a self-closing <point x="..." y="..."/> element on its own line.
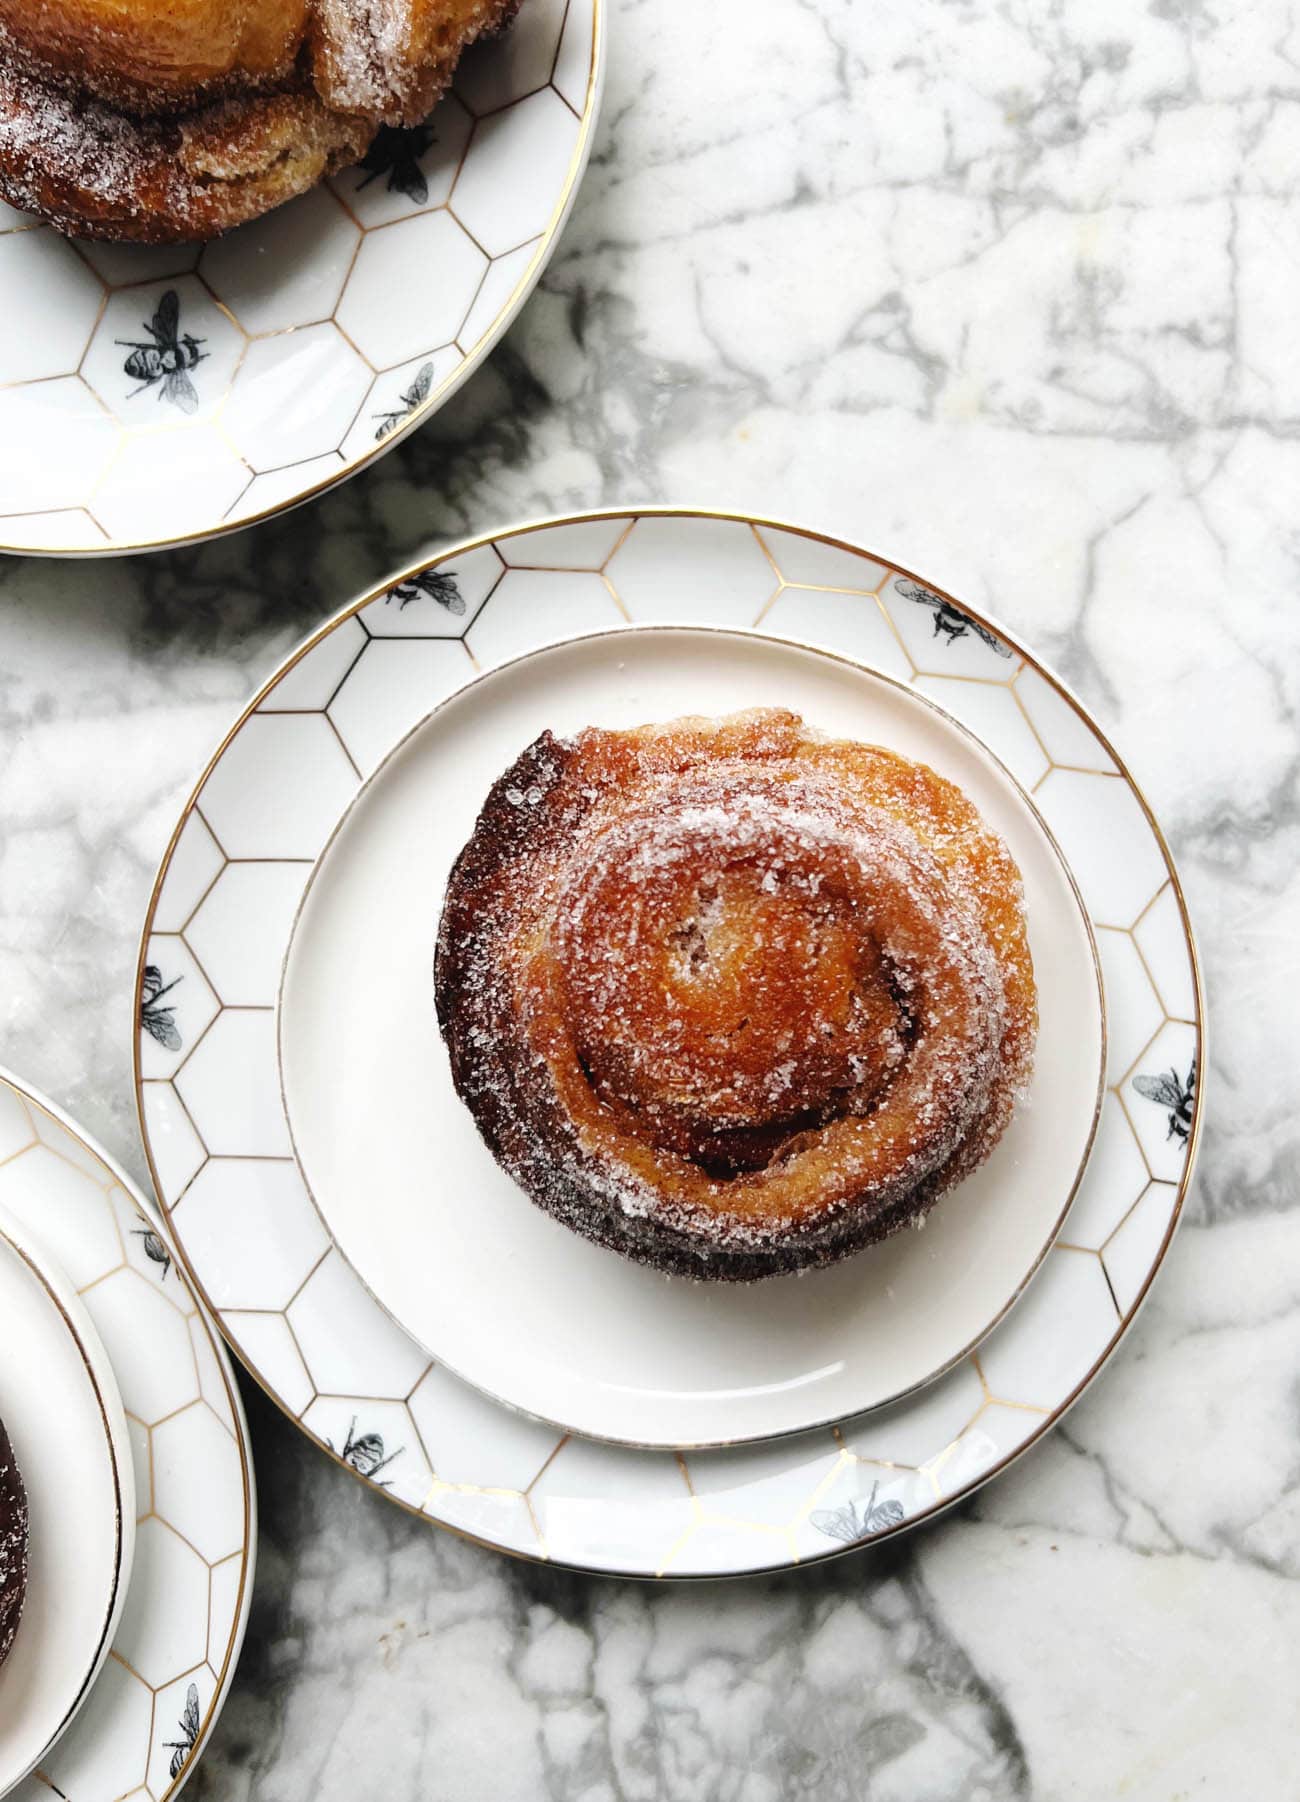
<point x="1009" y="292"/>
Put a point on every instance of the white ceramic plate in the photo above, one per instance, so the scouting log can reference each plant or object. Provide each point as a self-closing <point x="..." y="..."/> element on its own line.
<point x="215" y="938"/>
<point x="60" y="1405"/>
<point x="309" y="341"/>
<point x="146" y="1718"/>
<point x="504" y="1295"/>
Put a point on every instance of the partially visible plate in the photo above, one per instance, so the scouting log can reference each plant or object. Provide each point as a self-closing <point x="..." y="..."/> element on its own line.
<point x="213" y="944"/>
<point x="148" y="1715"/>
<point x="500" y="1292"/>
<point x="153" y="397"/>
<point x="61" y="1408"/>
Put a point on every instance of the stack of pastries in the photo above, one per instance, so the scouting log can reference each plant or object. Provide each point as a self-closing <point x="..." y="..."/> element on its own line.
<point x="164" y="120"/>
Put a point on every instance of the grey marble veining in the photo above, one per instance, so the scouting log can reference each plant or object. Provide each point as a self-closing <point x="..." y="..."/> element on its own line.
<point x="1007" y="291"/>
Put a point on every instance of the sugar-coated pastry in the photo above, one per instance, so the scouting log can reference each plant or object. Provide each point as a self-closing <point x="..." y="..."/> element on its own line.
<point x="158" y="121"/>
<point x="731" y="997"/>
<point x="13" y="1545"/>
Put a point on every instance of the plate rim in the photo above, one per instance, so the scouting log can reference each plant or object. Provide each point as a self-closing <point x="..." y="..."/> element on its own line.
<point x="505" y="317"/>
<point x="34" y="1097"/>
<point x="751" y="634"/>
<point x="630" y="513"/>
<point x="44" y="1267"/>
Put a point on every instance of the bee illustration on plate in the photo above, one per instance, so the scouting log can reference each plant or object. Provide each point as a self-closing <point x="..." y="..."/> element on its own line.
<point x="848" y="1526"/>
<point x="168" y="358"/>
<point x="1168" y="1090"/>
<point x="396" y="153"/>
<point x="158" y="1021"/>
<point x="415" y="396"/>
<point x="949" y="621"/>
<point x="154" y="1249"/>
<point x="366" y="1454"/>
<point x="181" y="1748"/>
<point x="438" y="584"/>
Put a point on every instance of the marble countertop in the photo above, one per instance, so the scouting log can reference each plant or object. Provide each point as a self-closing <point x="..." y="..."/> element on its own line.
<point x="1008" y="291"/>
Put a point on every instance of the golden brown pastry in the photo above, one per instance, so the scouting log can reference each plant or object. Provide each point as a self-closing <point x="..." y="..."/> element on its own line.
<point x="164" y="120"/>
<point x="730" y="997"/>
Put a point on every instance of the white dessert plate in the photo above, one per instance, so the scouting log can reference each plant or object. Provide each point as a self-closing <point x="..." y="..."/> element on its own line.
<point x="214" y="942"/>
<point x="179" y="1623"/>
<point x="503" y="1294"/>
<point x="156" y="396"/>
<point x="61" y="1408"/>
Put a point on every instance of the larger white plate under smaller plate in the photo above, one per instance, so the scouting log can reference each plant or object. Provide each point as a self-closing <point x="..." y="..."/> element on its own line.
<point x="498" y="1291"/>
<point x="143" y="1727"/>
<point x="60" y="1405"/>
<point x="218" y="926"/>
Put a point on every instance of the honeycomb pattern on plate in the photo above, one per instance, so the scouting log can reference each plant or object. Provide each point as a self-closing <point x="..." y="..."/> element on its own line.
<point x="215" y="1128"/>
<point x="151" y="395"/>
<point x="154" y="1702"/>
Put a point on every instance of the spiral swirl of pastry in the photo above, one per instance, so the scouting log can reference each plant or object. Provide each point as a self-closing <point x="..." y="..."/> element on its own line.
<point x="730" y="997"/>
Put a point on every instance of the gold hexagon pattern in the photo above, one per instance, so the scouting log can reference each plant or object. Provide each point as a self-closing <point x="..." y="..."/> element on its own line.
<point x="153" y="1704"/>
<point x="369" y="1396"/>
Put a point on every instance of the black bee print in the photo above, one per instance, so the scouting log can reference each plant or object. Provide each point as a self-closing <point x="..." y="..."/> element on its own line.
<point x="438" y="584"/>
<point x="415" y="396"/>
<point x="396" y="153"/>
<point x="154" y="1249"/>
<point x="168" y="358"/>
<point x="366" y="1455"/>
<point x="1170" y="1091"/>
<point x="181" y="1748"/>
<point x="846" y="1525"/>
<point x="949" y="622"/>
<point x="157" y="1020"/>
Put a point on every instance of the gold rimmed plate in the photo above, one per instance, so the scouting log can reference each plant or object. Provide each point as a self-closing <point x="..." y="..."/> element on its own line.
<point x="148" y="1701"/>
<point x="502" y="1294"/>
<point x="220" y="1145"/>
<point x="152" y="397"/>
<point x="60" y="1405"/>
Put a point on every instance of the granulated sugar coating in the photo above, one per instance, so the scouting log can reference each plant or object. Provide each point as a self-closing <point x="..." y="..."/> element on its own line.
<point x="13" y="1545"/>
<point x="141" y="121"/>
<point x="730" y="997"/>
